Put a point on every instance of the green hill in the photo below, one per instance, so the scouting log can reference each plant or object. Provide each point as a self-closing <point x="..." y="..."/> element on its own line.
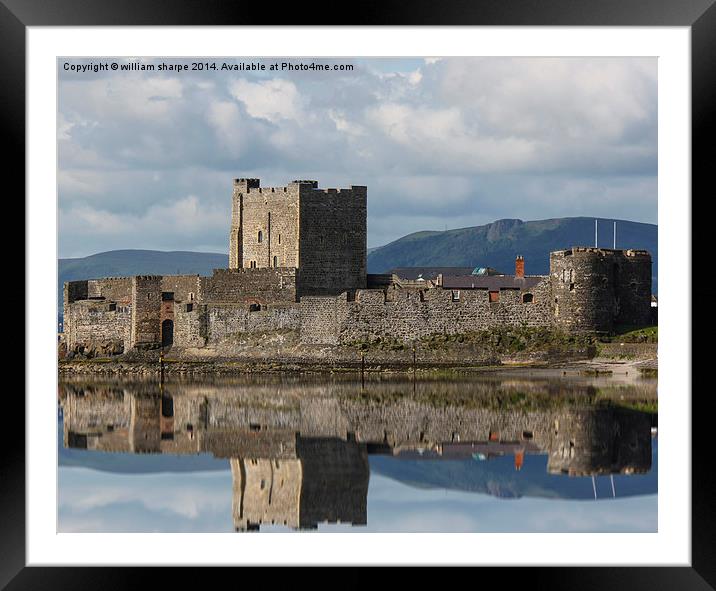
<point x="496" y="244"/>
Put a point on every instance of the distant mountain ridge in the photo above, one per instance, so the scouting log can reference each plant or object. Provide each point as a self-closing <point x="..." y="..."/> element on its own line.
<point x="492" y="245"/>
<point x="497" y="244"/>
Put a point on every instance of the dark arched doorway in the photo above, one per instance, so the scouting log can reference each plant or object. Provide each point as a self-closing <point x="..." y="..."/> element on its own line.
<point x="167" y="333"/>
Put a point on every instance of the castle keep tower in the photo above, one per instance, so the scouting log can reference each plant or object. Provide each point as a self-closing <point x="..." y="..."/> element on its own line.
<point x="594" y="289"/>
<point x="320" y="232"/>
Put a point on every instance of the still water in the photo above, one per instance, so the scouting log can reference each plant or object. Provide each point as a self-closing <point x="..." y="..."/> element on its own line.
<point x="515" y="453"/>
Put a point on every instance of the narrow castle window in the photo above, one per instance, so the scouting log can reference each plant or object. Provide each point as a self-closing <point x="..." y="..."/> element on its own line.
<point x="261" y="236"/>
<point x="275" y="261"/>
<point x="279" y="238"/>
<point x="456" y="295"/>
<point x="527" y="298"/>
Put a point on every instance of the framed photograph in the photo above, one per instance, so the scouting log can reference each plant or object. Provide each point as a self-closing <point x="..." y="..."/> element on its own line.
<point x="364" y="294"/>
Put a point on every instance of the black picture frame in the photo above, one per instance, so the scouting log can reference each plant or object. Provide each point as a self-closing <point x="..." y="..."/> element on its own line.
<point x="699" y="15"/>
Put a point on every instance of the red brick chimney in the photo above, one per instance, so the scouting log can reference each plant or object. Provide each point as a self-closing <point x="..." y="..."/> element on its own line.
<point x="520" y="266"/>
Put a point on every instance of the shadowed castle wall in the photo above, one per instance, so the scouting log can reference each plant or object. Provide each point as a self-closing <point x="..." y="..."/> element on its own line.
<point x="333" y="238"/>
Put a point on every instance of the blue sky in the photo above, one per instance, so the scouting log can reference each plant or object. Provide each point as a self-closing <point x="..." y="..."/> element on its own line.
<point x="95" y="501"/>
<point x="146" y="159"/>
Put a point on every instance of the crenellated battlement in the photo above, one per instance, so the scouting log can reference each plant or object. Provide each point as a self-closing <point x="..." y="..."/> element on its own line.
<point x="599" y="251"/>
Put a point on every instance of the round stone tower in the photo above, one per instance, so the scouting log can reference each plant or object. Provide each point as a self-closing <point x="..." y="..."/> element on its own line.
<point x="594" y="289"/>
<point x="582" y="290"/>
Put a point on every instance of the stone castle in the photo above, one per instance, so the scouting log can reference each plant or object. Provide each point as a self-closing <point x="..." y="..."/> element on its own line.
<point x="297" y="261"/>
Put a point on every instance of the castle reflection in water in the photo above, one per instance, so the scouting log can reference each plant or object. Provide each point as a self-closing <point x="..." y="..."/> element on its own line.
<point x="299" y="451"/>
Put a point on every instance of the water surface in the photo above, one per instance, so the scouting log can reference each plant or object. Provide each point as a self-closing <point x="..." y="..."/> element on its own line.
<point x="516" y="453"/>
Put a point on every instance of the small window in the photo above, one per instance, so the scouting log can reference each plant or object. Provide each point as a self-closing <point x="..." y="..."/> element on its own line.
<point x="571" y="287"/>
<point x="275" y="261"/>
<point x="191" y="296"/>
<point x="261" y="236"/>
<point x="455" y="295"/>
<point x="279" y="238"/>
<point x="189" y="307"/>
<point x="527" y="298"/>
<point x="494" y="296"/>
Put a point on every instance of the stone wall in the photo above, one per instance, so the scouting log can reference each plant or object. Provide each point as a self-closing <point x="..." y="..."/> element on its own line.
<point x="116" y="289"/>
<point x="264" y="228"/>
<point x="96" y="323"/>
<point x="333" y="238"/>
<point x="596" y="288"/>
<point x="412" y="314"/>
<point x="190" y="325"/>
<point x="247" y="286"/>
<point x="184" y="287"/>
<point x="633" y="288"/>
<point x="224" y="321"/>
<point x="320" y="318"/>
<point x="146" y="310"/>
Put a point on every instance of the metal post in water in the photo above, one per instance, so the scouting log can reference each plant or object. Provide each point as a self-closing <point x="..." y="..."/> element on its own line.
<point x="362" y="370"/>
<point x="161" y="366"/>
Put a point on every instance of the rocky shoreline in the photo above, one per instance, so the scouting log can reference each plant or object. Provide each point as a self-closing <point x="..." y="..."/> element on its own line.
<point x="283" y="352"/>
<point x="337" y="360"/>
